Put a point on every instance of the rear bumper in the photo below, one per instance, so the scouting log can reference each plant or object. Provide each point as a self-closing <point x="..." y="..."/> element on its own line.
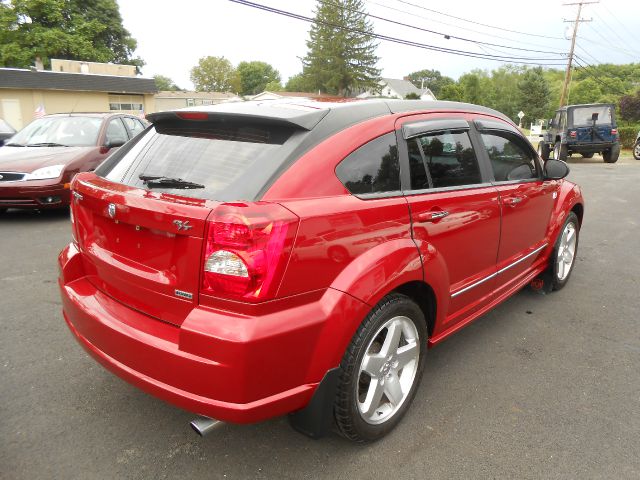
<point x="588" y="147"/>
<point x="235" y="368"/>
<point x="33" y="194"/>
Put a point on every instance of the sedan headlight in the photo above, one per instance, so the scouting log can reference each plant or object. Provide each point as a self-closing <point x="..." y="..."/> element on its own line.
<point x="43" y="173"/>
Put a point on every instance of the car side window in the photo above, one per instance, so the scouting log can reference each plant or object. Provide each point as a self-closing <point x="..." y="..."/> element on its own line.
<point x="116" y="133"/>
<point x="448" y="160"/>
<point x="134" y="125"/>
<point x="372" y="168"/>
<point x="509" y="159"/>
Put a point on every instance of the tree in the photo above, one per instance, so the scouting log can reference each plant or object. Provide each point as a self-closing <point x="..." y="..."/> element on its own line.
<point x="254" y="76"/>
<point x="452" y="92"/>
<point x="299" y="83"/>
<point x="630" y="107"/>
<point x="431" y="79"/>
<point x="341" y="49"/>
<point x="412" y="96"/>
<point x="274" y="86"/>
<point x="534" y="94"/>
<point x="89" y="30"/>
<point x="165" y="83"/>
<point x="215" y="74"/>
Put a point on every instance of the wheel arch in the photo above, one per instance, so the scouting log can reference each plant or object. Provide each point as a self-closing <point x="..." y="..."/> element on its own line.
<point x="424" y="296"/>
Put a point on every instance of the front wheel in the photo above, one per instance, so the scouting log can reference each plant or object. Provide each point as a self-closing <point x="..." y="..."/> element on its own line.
<point x="636" y="150"/>
<point x="544" y="150"/>
<point x="381" y="370"/>
<point x="564" y="252"/>
<point x="560" y="151"/>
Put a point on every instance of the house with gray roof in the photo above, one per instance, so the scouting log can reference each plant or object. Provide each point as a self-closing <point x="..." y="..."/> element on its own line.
<point x="397" y="88"/>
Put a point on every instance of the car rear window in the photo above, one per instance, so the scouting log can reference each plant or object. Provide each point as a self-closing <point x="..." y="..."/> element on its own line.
<point x="233" y="160"/>
<point x="582" y="116"/>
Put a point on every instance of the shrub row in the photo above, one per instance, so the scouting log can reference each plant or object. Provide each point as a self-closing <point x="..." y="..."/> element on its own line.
<point x="628" y="135"/>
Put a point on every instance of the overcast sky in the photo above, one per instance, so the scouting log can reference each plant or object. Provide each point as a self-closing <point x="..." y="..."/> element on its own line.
<point x="172" y="35"/>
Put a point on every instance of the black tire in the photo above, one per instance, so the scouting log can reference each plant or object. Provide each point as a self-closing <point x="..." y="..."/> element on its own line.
<point x="560" y="151"/>
<point x="587" y="155"/>
<point x="558" y="281"/>
<point x="544" y="150"/>
<point x="611" y="155"/>
<point x="350" y="422"/>
<point x="636" y="150"/>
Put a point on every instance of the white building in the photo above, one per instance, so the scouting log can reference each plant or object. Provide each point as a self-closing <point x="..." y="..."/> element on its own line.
<point x="397" y="88"/>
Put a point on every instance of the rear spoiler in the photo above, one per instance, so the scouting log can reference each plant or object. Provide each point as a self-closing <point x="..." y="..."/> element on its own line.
<point x="284" y="115"/>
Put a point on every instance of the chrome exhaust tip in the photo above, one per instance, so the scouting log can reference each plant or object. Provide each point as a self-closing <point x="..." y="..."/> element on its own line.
<point x="204" y="425"/>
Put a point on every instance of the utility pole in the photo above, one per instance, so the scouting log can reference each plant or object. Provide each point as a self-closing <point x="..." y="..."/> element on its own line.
<point x="567" y="77"/>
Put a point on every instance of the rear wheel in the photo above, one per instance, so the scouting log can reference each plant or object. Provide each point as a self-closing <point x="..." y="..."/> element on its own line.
<point x="544" y="150"/>
<point x="560" y="151"/>
<point x="636" y="150"/>
<point x="381" y="370"/>
<point x="587" y="155"/>
<point x="611" y="155"/>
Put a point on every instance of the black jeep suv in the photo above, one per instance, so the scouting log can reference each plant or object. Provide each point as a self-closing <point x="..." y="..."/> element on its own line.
<point x="583" y="129"/>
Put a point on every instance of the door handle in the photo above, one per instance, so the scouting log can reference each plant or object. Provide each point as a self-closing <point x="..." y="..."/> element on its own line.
<point x="431" y="216"/>
<point x="513" y="201"/>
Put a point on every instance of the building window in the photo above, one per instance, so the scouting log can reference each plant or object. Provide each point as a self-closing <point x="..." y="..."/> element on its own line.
<point x="126" y="103"/>
<point x="207" y="102"/>
<point x="190" y="102"/>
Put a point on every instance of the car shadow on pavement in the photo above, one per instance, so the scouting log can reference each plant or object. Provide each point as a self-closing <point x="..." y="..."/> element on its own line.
<point x="15" y="215"/>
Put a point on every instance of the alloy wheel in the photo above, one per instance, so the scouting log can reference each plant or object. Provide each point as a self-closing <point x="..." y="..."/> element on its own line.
<point x="388" y="370"/>
<point x="566" y="251"/>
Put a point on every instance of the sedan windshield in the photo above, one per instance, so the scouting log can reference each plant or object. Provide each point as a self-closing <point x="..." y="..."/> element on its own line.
<point x="60" y="131"/>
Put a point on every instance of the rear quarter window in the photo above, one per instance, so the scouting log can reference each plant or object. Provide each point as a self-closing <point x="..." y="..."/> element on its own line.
<point x="372" y="168"/>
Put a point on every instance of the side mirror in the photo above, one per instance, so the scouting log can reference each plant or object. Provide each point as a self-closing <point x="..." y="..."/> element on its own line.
<point x="555" y="169"/>
<point x="114" y="142"/>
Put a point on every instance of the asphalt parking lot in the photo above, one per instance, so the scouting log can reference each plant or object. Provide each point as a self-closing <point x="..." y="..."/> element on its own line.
<point x="541" y="387"/>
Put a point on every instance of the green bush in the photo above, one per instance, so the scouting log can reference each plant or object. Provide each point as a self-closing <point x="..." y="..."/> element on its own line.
<point x="628" y="135"/>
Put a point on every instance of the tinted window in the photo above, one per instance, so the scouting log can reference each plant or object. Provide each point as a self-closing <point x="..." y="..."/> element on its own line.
<point x="233" y="160"/>
<point x="509" y="159"/>
<point x="417" y="167"/>
<point x="373" y="168"/>
<point x="449" y="160"/>
<point x="116" y="134"/>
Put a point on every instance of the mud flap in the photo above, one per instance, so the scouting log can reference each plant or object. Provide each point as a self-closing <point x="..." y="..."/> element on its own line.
<point x="315" y="419"/>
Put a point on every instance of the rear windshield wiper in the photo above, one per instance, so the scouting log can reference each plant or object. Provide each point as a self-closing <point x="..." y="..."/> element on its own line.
<point x="46" y="144"/>
<point x="13" y="145"/>
<point x="168" y="182"/>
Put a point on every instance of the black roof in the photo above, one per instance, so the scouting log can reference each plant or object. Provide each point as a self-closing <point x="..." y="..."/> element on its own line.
<point x="47" y="80"/>
<point x="566" y="107"/>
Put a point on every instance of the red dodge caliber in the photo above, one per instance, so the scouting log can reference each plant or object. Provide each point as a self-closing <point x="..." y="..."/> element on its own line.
<point x="245" y="261"/>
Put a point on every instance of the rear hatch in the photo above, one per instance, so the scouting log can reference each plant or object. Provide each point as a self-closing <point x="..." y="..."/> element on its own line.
<point x="140" y="220"/>
<point x="140" y="248"/>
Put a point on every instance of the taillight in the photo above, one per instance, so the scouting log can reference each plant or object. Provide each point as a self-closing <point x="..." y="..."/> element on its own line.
<point x="246" y="251"/>
<point x="573" y="133"/>
<point x="614" y="131"/>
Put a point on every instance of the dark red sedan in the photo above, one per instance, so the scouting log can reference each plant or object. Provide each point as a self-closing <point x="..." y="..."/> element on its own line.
<point x="251" y="260"/>
<point x="38" y="163"/>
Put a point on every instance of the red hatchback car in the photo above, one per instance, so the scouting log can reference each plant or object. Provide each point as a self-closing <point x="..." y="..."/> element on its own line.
<point x="38" y="163"/>
<point x="245" y="261"/>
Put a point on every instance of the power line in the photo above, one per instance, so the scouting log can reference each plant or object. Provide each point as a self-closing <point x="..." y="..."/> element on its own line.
<point x="585" y="67"/>
<point x="445" y="35"/>
<point x="440" y="22"/>
<point x="465" y="53"/>
<point x="478" y="23"/>
<point x="615" y="34"/>
<point x="631" y="35"/>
